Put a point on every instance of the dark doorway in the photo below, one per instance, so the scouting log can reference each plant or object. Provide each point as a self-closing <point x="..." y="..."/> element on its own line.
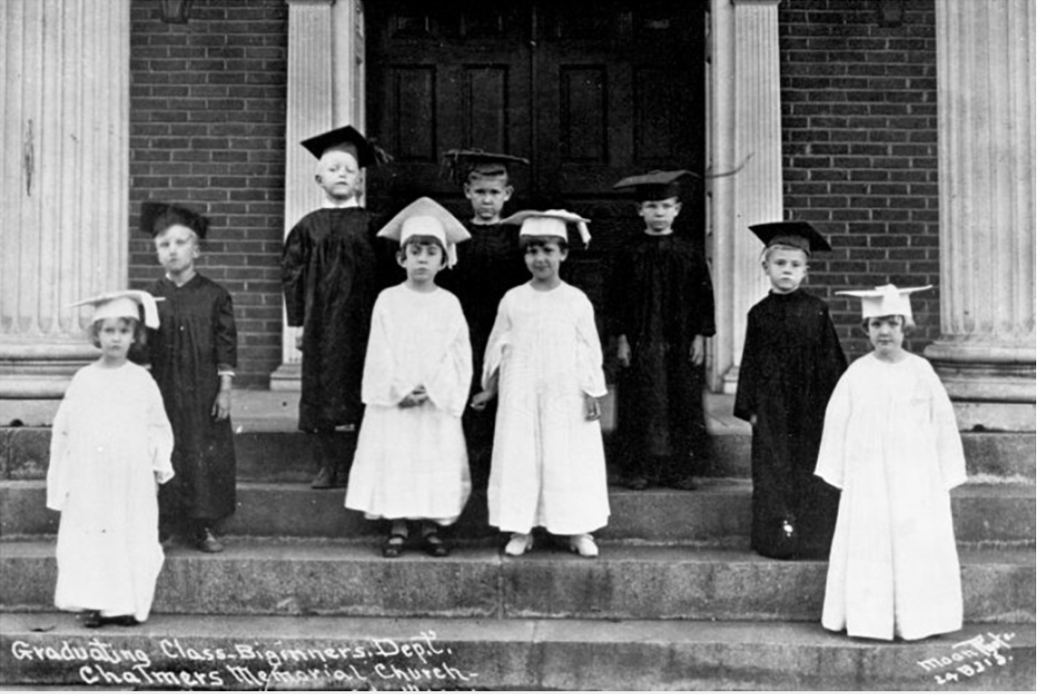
<point x="589" y="92"/>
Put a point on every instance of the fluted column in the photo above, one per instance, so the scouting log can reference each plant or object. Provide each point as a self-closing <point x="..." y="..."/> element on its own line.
<point x="987" y="184"/>
<point x="744" y="78"/>
<point x="325" y="90"/>
<point x="64" y="152"/>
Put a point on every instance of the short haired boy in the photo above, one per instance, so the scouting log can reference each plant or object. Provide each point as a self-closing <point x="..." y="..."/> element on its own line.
<point x="329" y="276"/>
<point x="662" y="311"/>
<point x="791" y="363"/>
<point x="490" y="264"/>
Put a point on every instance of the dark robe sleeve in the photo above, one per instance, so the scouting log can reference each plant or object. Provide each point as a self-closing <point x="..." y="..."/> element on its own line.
<point x="294" y="274"/>
<point x="703" y="299"/>
<point x="619" y="294"/>
<point x="744" y="405"/>
<point x="226" y="333"/>
<point x="830" y="362"/>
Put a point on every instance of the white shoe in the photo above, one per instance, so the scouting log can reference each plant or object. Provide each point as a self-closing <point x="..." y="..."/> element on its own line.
<point x="518" y="544"/>
<point x="584" y="545"/>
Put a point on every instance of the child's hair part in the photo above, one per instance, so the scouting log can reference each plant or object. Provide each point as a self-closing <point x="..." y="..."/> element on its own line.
<point x="422" y="240"/>
<point x="908" y="323"/>
<point x="767" y="252"/>
<point x="140" y="332"/>
<point x="528" y="240"/>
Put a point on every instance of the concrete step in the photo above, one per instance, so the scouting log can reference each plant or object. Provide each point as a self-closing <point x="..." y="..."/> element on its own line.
<point x="170" y="652"/>
<point x="275" y="452"/>
<point x="305" y="577"/>
<point x="718" y="513"/>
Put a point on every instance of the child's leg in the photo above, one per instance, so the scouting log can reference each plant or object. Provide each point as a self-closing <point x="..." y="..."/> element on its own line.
<point x="435" y="545"/>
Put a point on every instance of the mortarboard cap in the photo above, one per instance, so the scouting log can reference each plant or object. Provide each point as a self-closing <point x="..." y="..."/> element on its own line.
<point x="426" y="217"/>
<point x="888" y="300"/>
<point x="124" y="304"/>
<point x="798" y="234"/>
<point x="350" y="139"/>
<point x="460" y="163"/>
<point x="656" y="185"/>
<point x="549" y="223"/>
<point x="156" y="217"/>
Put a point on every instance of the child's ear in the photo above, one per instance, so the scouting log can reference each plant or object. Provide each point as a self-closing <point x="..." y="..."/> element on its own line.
<point x="466" y="189"/>
<point x="678" y="207"/>
<point x="508" y="193"/>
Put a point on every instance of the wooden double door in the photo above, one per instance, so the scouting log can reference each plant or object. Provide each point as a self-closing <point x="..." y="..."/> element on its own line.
<point x="589" y="92"/>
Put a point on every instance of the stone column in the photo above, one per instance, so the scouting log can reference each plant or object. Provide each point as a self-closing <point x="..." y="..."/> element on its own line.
<point x="986" y="355"/>
<point x="744" y="111"/>
<point x="325" y="90"/>
<point x="64" y="153"/>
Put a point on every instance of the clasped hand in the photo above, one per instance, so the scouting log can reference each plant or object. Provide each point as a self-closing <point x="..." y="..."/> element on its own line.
<point x="417" y="397"/>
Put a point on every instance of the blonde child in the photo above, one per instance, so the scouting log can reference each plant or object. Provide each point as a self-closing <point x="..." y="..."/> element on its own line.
<point x="792" y="360"/>
<point x="891" y="445"/>
<point x="330" y="268"/>
<point x="411" y="462"/>
<point x="193" y="356"/>
<point x="110" y="449"/>
<point x="545" y="360"/>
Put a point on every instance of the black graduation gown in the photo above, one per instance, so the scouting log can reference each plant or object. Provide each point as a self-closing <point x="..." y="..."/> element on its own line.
<point x="196" y="335"/>
<point x="792" y="361"/>
<point x="489" y="264"/>
<point x="661" y="299"/>
<point x="330" y="278"/>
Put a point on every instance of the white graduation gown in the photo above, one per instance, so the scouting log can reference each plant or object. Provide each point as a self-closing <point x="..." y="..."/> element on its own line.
<point x="110" y="444"/>
<point x="547" y="464"/>
<point x="890" y="443"/>
<point x="411" y="462"/>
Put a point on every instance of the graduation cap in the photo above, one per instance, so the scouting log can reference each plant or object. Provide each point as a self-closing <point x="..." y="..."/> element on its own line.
<point x="460" y="163"/>
<point x="424" y="217"/>
<point x="124" y="304"/>
<point x="798" y="234"/>
<point x="351" y="140"/>
<point x="888" y="300"/>
<point x="656" y="185"/>
<point x="549" y="223"/>
<point x="153" y="213"/>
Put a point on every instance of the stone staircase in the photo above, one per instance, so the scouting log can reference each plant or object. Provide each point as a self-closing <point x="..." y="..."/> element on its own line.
<point x="301" y="598"/>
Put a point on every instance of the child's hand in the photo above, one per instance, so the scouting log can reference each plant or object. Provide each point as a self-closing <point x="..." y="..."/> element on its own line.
<point x="697" y="350"/>
<point x="754" y="419"/>
<point x="222" y="407"/>
<point x="592" y="410"/>
<point x="417" y="397"/>
<point x="481" y="399"/>
<point x="624" y="352"/>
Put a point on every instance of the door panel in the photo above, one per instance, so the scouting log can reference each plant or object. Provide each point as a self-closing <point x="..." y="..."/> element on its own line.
<point x="590" y="92"/>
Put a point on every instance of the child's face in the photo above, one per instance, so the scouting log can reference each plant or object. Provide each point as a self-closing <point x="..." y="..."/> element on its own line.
<point x="115" y="336"/>
<point x="177" y="247"/>
<point x="338" y="175"/>
<point x="786" y="269"/>
<point x="488" y="195"/>
<point x="543" y="261"/>
<point x="886" y="335"/>
<point x="422" y="262"/>
<point x="659" y="214"/>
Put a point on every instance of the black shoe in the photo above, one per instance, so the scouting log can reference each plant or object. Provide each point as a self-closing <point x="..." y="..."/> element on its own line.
<point x="123" y="620"/>
<point x="435" y="545"/>
<point x="207" y="542"/>
<point x="323" y="480"/>
<point x="393" y="545"/>
<point x="338" y="480"/>
<point x="92" y="619"/>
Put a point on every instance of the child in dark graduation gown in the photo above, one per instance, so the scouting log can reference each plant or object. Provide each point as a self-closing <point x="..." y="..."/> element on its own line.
<point x="193" y="356"/>
<point x="662" y="311"/>
<point x="330" y="268"/>
<point x="792" y="360"/>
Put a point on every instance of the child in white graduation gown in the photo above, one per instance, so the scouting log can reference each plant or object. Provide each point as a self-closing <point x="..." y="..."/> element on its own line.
<point x="544" y="360"/>
<point x="110" y="449"/>
<point x="411" y="461"/>
<point x="890" y="443"/>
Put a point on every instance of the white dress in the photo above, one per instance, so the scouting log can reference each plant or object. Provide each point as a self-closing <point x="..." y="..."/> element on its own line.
<point x="547" y="464"/>
<point x="411" y="462"/>
<point x="890" y="443"/>
<point x="111" y="443"/>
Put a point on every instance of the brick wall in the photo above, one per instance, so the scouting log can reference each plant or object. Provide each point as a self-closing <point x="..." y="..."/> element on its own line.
<point x="207" y="107"/>
<point x="860" y="150"/>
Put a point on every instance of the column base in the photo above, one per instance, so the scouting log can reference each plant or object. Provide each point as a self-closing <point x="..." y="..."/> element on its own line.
<point x="286" y="377"/>
<point x="992" y="386"/>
